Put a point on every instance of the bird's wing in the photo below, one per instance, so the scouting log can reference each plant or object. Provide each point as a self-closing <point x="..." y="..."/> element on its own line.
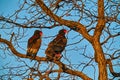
<point x="33" y="46"/>
<point x="59" y="45"/>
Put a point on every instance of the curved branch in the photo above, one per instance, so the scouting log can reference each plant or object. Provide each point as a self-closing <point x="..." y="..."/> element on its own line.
<point x="111" y="69"/>
<point x="15" y="52"/>
<point x="71" y="24"/>
<point x="72" y="72"/>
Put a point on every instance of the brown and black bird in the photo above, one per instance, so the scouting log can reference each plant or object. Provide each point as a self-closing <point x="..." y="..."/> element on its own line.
<point x="34" y="44"/>
<point x="56" y="46"/>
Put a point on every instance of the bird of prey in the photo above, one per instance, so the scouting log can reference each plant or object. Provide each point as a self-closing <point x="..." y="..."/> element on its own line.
<point x="34" y="44"/>
<point x="55" y="47"/>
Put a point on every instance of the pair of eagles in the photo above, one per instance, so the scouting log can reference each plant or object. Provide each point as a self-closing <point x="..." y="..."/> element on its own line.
<point x="54" y="48"/>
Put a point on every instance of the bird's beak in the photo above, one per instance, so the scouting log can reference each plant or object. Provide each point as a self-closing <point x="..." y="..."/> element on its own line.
<point x="41" y="34"/>
<point x="68" y="31"/>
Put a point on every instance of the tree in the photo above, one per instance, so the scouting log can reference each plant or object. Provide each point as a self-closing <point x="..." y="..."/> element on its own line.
<point x="93" y="47"/>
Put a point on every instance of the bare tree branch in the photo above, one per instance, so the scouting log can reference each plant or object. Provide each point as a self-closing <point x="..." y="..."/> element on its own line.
<point x="111" y="69"/>
<point x="78" y="27"/>
<point x="16" y="52"/>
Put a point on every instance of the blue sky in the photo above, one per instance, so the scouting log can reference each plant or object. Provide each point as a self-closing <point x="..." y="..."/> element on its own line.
<point x="7" y="7"/>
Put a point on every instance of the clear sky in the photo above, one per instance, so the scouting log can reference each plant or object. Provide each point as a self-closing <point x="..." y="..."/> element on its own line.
<point x="7" y="7"/>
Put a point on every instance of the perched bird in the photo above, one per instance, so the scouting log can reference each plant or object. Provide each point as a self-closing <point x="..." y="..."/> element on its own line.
<point x="56" y="46"/>
<point x="34" y="44"/>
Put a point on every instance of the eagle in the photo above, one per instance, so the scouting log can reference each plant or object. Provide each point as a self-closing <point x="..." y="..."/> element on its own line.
<point x="34" y="44"/>
<point x="56" y="47"/>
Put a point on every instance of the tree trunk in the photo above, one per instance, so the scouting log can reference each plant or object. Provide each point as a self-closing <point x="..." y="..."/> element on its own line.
<point x="100" y="59"/>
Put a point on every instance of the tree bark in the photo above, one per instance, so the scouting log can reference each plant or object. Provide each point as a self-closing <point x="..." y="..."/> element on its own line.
<point x="99" y="54"/>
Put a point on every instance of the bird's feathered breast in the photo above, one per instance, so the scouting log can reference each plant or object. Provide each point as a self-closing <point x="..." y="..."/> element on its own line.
<point x="58" y="44"/>
<point x="34" y="42"/>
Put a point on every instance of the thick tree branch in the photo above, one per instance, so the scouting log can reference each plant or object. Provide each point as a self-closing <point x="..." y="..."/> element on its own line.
<point x="71" y="24"/>
<point x="99" y="54"/>
<point x="15" y="52"/>
<point x="101" y="19"/>
<point x="72" y="72"/>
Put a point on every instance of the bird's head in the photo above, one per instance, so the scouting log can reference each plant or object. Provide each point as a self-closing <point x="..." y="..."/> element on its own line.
<point x="37" y="32"/>
<point x="40" y="33"/>
<point x="63" y="31"/>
